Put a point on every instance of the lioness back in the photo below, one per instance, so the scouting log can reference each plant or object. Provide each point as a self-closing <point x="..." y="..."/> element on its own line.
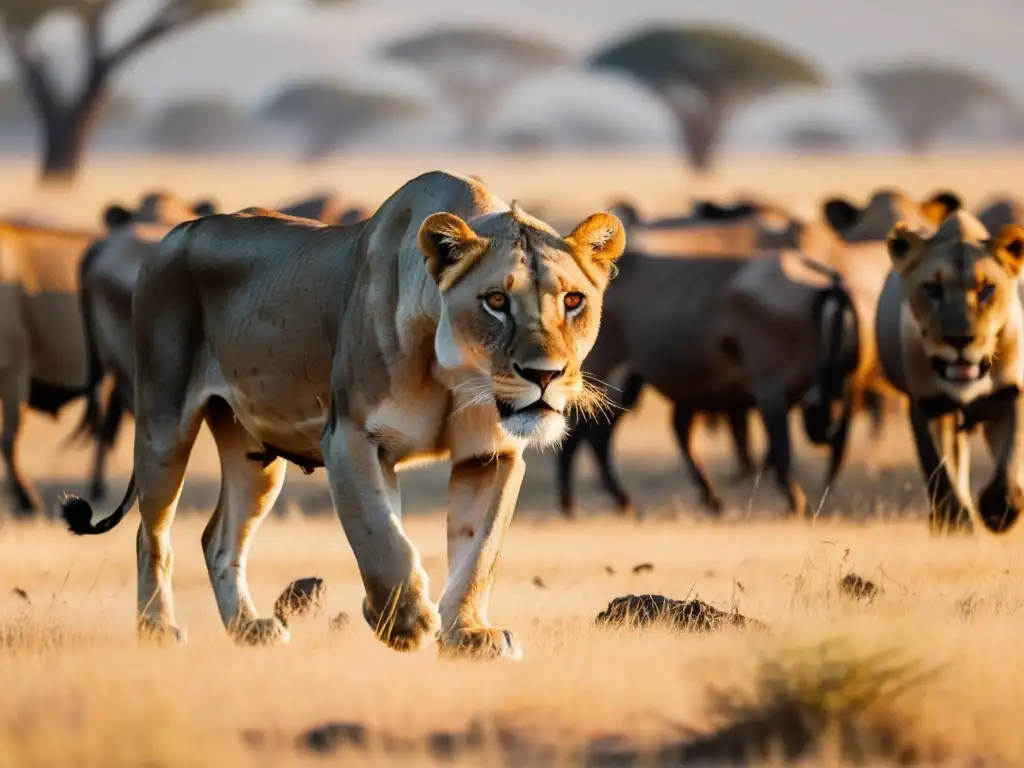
<point x="271" y="290"/>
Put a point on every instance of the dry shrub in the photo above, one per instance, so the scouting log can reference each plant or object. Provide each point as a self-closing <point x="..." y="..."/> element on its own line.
<point x="826" y="701"/>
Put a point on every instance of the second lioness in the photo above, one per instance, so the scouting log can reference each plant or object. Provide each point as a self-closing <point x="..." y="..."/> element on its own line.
<point x="447" y="325"/>
<point x="949" y="331"/>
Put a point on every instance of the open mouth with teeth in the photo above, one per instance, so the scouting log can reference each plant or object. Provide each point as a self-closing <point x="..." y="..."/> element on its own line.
<point x="961" y="371"/>
<point x="507" y="410"/>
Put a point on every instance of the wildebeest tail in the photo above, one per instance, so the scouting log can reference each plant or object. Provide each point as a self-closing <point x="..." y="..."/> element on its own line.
<point x="77" y="512"/>
<point x="631" y="390"/>
<point x="835" y="318"/>
<point x="90" y="426"/>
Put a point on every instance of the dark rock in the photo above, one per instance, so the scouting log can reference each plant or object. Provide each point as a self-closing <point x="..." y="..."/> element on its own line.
<point x="303" y="597"/>
<point x="689" y="615"/>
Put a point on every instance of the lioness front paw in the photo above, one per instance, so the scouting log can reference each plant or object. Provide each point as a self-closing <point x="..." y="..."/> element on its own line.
<point x="480" y="643"/>
<point x="260" y="632"/>
<point x="999" y="505"/>
<point x="162" y="634"/>
<point x="404" y="626"/>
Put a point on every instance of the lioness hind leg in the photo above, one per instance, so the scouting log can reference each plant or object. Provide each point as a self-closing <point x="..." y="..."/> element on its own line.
<point x="248" y="491"/>
<point x="161" y="457"/>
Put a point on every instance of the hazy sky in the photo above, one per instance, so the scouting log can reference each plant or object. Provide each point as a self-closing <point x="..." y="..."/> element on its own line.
<point x="252" y="52"/>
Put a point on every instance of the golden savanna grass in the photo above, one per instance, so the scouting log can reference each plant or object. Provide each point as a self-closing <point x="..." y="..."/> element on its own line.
<point x="931" y="669"/>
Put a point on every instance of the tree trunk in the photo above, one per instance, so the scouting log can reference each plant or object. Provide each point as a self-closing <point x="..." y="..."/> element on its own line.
<point x="65" y="138"/>
<point x="700" y="114"/>
<point x="699" y="135"/>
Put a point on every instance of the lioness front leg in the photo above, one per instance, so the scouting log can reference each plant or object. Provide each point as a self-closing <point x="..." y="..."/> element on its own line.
<point x="364" y="489"/>
<point x="483" y="491"/>
<point x="1001" y="501"/>
<point x="949" y="511"/>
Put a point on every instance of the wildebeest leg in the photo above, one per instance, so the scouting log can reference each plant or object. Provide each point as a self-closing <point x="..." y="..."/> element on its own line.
<point x="948" y="513"/>
<point x="566" y="454"/>
<point x="682" y="422"/>
<point x="876" y="406"/>
<point x="775" y="415"/>
<point x="838" y="441"/>
<point x="14" y="396"/>
<point x="739" y="430"/>
<point x="109" y="427"/>
<point x="248" y="490"/>
<point x="600" y="438"/>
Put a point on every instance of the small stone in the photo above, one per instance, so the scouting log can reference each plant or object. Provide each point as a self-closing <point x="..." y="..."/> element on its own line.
<point x="303" y="597"/>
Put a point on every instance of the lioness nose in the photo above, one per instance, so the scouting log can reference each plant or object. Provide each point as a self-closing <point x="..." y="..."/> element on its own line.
<point x="539" y="376"/>
<point x="959" y="343"/>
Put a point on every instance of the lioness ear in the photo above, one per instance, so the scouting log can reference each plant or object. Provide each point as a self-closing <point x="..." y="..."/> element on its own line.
<point x="939" y="206"/>
<point x="840" y="214"/>
<point x="902" y="244"/>
<point x="600" y="238"/>
<point x="450" y="247"/>
<point x="1008" y="248"/>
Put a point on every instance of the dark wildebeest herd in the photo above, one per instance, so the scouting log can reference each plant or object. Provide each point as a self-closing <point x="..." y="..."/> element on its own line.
<point x="451" y="325"/>
<point x="728" y="310"/>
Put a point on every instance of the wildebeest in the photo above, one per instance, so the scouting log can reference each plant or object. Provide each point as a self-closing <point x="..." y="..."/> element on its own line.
<point x="106" y="277"/>
<point x="43" y="364"/>
<point x="862" y="264"/>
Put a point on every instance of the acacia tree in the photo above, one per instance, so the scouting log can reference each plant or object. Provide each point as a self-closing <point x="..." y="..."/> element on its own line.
<point x="475" y="66"/>
<point x="332" y="114"/>
<point x="65" y="121"/>
<point x="921" y="99"/>
<point x="704" y="74"/>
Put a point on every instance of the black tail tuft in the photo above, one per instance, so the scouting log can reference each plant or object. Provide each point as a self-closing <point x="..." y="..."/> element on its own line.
<point x="77" y="513"/>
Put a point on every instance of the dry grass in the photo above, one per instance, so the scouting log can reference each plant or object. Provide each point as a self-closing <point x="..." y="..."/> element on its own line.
<point x="929" y="669"/>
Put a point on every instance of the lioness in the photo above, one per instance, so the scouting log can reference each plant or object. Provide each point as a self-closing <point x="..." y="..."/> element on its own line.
<point x="949" y="328"/>
<point x="447" y="325"/>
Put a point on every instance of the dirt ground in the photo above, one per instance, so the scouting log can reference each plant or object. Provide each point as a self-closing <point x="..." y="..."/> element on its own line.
<point x="926" y="670"/>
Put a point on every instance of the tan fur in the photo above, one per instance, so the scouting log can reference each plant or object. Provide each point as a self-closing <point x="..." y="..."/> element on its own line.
<point x="42" y="347"/>
<point x="950" y="329"/>
<point x="365" y="349"/>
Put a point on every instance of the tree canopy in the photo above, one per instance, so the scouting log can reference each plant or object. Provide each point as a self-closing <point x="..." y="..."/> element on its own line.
<point x="922" y="99"/>
<point x="704" y="74"/>
<point x="333" y="113"/>
<point x="474" y="65"/>
<point x="66" y="121"/>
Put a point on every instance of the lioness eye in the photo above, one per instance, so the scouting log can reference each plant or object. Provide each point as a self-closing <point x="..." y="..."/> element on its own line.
<point x="986" y="292"/>
<point x="573" y="301"/>
<point x="497" y="301"/>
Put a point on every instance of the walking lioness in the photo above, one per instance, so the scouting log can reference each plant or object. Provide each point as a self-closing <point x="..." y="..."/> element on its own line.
<point x="448" y="325"/>
<point x="949" y="333"/>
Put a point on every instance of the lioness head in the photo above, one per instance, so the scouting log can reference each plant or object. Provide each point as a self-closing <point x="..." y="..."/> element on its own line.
<point x="520" y="309"/>
<point x="960" y="285"/>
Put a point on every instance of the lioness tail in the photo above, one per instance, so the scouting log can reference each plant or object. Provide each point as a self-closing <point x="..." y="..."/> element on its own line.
<point x="77" y="512"/>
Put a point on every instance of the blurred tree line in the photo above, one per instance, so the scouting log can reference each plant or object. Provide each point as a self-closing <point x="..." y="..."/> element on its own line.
<point x="704" y="76"/>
